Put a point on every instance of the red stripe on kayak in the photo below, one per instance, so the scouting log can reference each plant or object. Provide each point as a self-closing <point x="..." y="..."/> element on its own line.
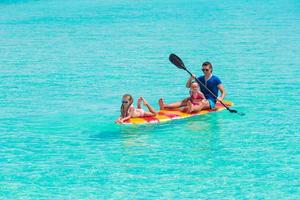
<point x="151" y="119"/>
<point x="213" y="110"/>
<point x="221" y="105"/>
<point x="170" y="115"/>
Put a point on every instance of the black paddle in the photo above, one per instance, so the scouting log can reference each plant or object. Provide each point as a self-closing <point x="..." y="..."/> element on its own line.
<point x="178" y="63"/>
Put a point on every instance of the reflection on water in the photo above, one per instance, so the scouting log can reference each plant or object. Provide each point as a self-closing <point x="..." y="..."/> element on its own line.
<point x="187" y="137"/>
<point x="199" y="134"/>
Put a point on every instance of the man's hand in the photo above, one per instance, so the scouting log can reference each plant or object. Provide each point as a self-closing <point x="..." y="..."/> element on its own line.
<point x="219" y="99"/>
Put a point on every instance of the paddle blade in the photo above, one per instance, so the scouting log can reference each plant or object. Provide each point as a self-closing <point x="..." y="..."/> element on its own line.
<point x="232" y="111"/>
<point x="235" y="111"/>
<point x="176" y="61"/>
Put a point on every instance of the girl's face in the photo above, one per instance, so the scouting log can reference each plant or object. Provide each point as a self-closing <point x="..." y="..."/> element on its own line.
<point x="194" y="86"/>
<point x="126" y="100"/>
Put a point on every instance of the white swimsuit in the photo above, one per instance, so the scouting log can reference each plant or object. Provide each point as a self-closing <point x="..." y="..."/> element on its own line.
<point x="136" y="112"/>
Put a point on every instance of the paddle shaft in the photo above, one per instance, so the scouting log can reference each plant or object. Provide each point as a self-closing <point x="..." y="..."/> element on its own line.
<point x="199" y="82"/>
<point x="178" y="63"/>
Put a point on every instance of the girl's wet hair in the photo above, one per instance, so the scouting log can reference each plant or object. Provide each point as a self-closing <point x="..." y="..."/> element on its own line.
<point x="195" y="82"/>
<point x="124" y="110"/>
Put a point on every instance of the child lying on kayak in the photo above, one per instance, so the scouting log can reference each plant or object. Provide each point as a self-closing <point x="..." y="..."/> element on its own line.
<point x="192" y="103"/>
<point x="128" y="111"/>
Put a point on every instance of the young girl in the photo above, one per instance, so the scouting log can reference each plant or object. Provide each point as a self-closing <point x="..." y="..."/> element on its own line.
<point x="196" y="98"/>
<point x="128" y="111"/>
<point x="194" y="102"/>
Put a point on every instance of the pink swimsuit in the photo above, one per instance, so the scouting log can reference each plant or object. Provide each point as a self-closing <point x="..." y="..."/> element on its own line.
<point x="197" y="96"/>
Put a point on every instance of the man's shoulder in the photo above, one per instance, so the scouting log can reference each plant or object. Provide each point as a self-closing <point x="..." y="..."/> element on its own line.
<point x="216" y="78"/>
<point x="201" y="78"/>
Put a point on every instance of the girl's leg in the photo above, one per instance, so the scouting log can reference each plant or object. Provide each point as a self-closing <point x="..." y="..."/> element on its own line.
<point x="149" y="114"/>
<point x="196" y="108"/>
<point x="139" y="102"/>
<point x="171" y="105"/>
<point x="150" y="108"/>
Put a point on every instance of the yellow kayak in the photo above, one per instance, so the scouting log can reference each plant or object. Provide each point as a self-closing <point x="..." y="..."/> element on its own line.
<point x="168" y="115"/>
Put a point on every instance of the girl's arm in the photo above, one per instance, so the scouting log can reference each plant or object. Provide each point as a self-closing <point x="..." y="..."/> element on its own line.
<point x="125" y="118"/>
<point x="201" y="95"/>
<point x="118" y="120"/>
<point x="129" y="115"/>
<point x="122" y="119"/>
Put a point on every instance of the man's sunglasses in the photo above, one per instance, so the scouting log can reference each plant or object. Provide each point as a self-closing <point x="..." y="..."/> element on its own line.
<point x="205" y="70"/>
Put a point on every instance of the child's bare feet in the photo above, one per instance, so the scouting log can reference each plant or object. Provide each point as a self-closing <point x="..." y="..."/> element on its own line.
<point x="189" y="107"/>
<point x="140" y="100"/>
<point x="144" y="101"/>
<point x="161" y="104"/>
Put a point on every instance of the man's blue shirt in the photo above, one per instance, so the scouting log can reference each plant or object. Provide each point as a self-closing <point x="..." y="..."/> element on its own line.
<point x="212" y="85"/>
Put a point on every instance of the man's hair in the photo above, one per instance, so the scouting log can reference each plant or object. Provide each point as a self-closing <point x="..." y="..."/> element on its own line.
<point x="207" y="64"/>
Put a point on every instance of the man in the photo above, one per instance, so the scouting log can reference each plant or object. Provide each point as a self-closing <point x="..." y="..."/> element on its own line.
<point x="212" y="83"/>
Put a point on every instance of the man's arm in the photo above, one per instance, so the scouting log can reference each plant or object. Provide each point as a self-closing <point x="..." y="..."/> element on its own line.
<point x="189" y="81"/>
<point x="222" y="90"/>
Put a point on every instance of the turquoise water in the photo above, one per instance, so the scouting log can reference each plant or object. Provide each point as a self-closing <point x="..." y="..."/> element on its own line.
<point x="64" y="66"/>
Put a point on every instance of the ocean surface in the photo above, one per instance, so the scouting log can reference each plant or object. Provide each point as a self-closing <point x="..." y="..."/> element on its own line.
<point x="64" y="66"/>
